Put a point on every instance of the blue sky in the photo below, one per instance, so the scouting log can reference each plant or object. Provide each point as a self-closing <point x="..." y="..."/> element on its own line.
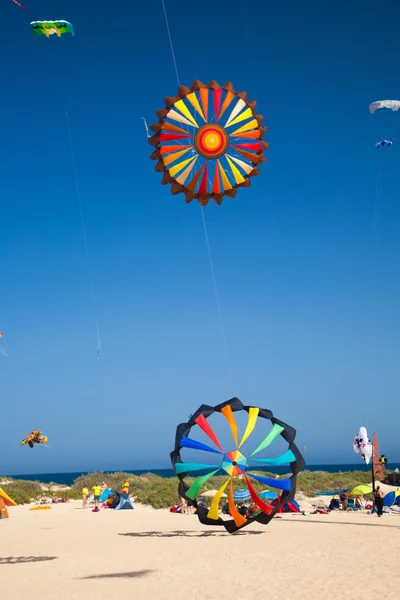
<point x="308" y="278"/>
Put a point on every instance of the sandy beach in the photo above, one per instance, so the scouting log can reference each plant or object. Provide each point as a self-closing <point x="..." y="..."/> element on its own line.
<point x="69" y="553"/>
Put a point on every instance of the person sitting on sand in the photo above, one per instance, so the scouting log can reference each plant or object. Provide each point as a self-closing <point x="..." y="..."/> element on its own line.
<point x="44" y="499"/>
<point x="85" y="496"/>
<point x="97" y="489"/>
<point x="334" y="503"/>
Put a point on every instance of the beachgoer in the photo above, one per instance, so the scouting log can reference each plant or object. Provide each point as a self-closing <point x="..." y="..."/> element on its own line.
<point x="97" y="489"/>
<point x="183" y="505"/>
<point x="344" y="499"/>
<point x="189" y="507"/>
<point x="85" y="496"/>
<point x="358" y="503"/>
<point x="125" y="487"/>
<point x="378" y="496"/>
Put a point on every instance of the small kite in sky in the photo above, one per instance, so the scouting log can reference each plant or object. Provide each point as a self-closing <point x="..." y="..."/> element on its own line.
<point x="392" y="104"/>
<point x="385" y="143"/>
<point x="48" y="28"/>
<point x="35" y="437"/>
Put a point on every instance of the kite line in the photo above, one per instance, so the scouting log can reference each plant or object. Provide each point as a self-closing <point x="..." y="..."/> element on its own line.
<point x="89" y="267"/>
<point x="221" y="321"/>
<point x="22" y="6"/>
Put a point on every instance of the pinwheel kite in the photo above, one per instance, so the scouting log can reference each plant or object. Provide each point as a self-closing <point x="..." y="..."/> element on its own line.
<point x="233" y="463"/>
<point x="384" y="143"/>
<point x="35" y="437"/>
<point x="208" y="141"/>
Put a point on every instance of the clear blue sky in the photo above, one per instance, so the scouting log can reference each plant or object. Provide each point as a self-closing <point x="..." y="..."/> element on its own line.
<point x="309" y="285"/>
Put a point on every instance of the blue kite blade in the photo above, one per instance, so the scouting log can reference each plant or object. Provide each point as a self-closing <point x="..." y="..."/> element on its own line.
<point x="188" y="467"/>
<point x="280" y="484"/>
<point x="285" y="459"/>
<point x="188" y="443"/>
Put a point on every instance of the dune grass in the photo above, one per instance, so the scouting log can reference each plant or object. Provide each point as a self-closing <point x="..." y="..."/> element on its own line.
<point x="160" y="492"/>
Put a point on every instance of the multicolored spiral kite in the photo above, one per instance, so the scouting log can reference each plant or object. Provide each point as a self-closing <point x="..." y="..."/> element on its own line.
<point x="235" y="464"/>
<point x="208" y="141"/>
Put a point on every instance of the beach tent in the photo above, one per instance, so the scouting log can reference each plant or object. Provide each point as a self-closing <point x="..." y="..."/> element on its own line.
<point x="124" y="501"/>
<point x="5" y="501"/>
<point x="288" y="507"/>
<point x="106" y="493"/>
<point x="392" y="498"/>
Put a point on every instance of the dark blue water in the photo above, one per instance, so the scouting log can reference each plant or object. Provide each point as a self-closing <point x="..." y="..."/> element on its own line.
<point x="69" y="478"/>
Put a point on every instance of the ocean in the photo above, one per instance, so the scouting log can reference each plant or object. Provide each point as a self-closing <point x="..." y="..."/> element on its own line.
<point x="69" y="478"/>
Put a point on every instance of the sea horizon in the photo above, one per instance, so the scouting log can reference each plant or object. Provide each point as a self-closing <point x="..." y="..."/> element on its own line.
<point x="68" y="478"/>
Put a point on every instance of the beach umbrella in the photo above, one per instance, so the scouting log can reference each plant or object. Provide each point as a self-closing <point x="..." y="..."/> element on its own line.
<point x="241" y="495"/>
<point x="361" y="490"/>
<point x="211" y="494"/>
<point x="268" y="494"/>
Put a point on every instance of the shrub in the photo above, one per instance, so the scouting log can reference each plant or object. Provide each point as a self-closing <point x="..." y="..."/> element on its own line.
<point x="23" y="492"/>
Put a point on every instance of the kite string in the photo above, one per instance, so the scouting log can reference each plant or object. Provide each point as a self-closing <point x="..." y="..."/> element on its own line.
<point x="79" y="198"/>
<point x="24" y="7"/>
<point x="221" y="321"/>
<point x="170" y="42"/>
<point x="377" y="200"/>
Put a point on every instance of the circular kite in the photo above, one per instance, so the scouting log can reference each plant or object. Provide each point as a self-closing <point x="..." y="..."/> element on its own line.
<point x="208" y="141"/>
<point x="235" y="464"/>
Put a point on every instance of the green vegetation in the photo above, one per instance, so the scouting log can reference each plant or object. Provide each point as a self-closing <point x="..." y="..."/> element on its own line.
<point x="160" y="492"/>
<point x="312" y="483"/>
<point x="23" y="491"/>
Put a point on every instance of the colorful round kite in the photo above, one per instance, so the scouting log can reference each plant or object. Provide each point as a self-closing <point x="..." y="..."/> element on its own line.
<point x="208" y="141"/>
<point x="233" y="463"/>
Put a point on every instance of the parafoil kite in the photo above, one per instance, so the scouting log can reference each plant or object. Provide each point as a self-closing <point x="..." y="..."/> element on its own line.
<point x="35" y="437"/>
<point x="208" y="141"/>
<point x="392" y="104"/>
<point x="233" y="463"/>
<point x="384" y="143"/>
<point x="48" y="28"/>
<point x="361" y="443"/>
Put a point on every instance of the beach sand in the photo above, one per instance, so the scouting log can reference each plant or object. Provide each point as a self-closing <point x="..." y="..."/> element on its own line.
<point x="68" y="553"/>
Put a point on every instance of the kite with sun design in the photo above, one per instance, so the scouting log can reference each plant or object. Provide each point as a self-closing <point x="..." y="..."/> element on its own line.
<point x="208" y="141"/>
<point x="235" y="464"/>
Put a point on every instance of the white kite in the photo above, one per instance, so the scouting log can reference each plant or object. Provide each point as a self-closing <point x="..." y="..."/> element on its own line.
<point x="392" y="104"/>
<point x="362" y="444"/>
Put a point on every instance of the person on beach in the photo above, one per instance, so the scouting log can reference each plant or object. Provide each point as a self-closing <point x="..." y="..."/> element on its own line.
<point x="184" y="506"/>
<point x="97" y="489"/>
<point x="344" y="499"/>
<point x="85" y="495"/>
<point x="378" y="497"/>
